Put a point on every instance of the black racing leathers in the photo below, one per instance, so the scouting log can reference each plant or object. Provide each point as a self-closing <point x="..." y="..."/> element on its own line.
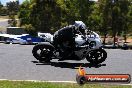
<point x="65" y="38"/>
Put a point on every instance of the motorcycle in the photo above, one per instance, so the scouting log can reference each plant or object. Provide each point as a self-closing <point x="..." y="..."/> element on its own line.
<point x="88" y="47"/>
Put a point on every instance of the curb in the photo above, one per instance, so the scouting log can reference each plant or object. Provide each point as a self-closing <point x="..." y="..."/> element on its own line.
<point x="40" y="81"/>
<point x="61" y="82"/>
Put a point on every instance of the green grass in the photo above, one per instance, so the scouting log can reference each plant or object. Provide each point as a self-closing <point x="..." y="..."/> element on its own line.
<point x="24" y="84"/>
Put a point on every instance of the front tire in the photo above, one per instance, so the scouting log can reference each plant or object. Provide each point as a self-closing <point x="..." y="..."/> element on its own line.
<point x="42" y="52"/>
<point x="96" y="56"/>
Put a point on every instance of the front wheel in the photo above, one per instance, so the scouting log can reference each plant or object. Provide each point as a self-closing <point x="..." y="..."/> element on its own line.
<point x="42" y="52"/>
<point x="96" y="56"/>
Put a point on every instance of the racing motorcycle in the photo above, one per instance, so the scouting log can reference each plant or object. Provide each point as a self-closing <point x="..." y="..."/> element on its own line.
<point x="88" y="47"/>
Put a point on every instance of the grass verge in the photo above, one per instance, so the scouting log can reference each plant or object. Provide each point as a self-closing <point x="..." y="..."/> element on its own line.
<point x="25" y="84"/>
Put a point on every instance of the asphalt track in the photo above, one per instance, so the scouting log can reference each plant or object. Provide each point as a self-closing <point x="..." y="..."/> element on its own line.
<point x="17" y="63"/>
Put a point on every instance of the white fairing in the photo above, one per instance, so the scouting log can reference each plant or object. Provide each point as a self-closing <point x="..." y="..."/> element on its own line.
<point x="94" y="37"/>
<point x="79" y="40"/>
<point x="91" y="38"/>
<point x="46" y="36"/>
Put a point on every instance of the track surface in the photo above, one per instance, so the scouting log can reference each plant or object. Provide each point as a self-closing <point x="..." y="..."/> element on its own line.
<point x="17" y="63"/>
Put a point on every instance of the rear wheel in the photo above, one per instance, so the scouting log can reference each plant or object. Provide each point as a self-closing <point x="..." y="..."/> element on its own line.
<point x="42" y="52"/>
<point x="96" y="56"/>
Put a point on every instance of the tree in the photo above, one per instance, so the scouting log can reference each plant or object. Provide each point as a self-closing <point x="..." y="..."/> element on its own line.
<point x="68" y="11"/>
<point x="94" y="18"/>
<point x="119" y="17"/>
<point x="24" y="13"/>
<point x="113" y="14"/>
<point x="13" y="7"/>
<point x="0" y="7"/>
<point x="4" y="11"/>
<point x="129" y="19"/>
<point x="105" y="16"/>
<point x="45" y="15"/>
<point x="24" y="16"/>
<point x="125" y="16"/>
<point x="51" y="15"/>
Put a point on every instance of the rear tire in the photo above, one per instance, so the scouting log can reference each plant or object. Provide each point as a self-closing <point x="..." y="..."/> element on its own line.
<point x="42" y="52"/>
<point x="97" y="56"/>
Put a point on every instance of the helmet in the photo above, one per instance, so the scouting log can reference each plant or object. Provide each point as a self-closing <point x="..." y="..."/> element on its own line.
<point x="80" y="26"/>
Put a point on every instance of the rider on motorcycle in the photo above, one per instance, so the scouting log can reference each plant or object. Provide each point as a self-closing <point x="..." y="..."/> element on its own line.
<point x="65" y="37"/>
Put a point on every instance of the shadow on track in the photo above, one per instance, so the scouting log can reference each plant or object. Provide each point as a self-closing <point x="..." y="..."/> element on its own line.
<point x="69" y="65"/>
